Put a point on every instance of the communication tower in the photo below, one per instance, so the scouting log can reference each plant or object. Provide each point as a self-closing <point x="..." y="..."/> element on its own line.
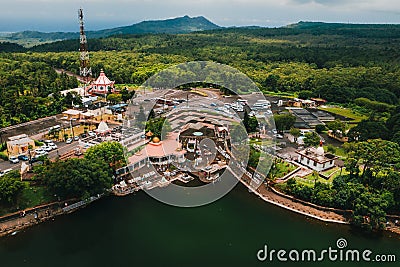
<point x="84" y="70"/>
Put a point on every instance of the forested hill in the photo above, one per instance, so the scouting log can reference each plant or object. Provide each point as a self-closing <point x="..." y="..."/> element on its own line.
<point x="353" y="65"/>
<point x="184" y="24"/>
<point x="11" y="47"/>
<point x="322" y="46"/>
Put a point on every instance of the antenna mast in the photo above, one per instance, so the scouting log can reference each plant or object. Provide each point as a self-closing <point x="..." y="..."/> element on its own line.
<point x="84" y="70"/>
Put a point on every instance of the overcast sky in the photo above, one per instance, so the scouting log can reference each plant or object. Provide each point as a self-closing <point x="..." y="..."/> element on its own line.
<point x="61" y="15"/>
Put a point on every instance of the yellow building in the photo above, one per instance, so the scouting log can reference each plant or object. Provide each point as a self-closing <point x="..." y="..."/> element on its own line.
<point x="72" y="114"/>
<point x="19" y="144"/>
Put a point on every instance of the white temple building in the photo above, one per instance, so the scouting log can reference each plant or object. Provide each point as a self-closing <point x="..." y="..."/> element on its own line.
<point x="316" y="158"/>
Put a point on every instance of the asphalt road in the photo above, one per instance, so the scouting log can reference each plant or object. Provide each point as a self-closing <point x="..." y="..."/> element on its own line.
<point x="62" y="149"/>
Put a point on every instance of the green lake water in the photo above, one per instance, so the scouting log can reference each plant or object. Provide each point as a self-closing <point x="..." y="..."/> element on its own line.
<point x="139" y="231"/>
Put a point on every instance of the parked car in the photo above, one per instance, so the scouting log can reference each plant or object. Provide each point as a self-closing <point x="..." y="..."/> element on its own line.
<point x="69" y="141"/>
<point x="23" y="157"/>
<point x="46" y="148"/>
<point x="39" y="151"/>
<point x="35" y="159"/>
<point x="13" y="160"/>
<point x="52" y="145"/>
<point x="76" y="138"/>
<point x="90" y="133"/>
<point x="5" y="171"/>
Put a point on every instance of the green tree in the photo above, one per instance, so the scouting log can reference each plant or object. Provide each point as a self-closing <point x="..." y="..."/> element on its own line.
<point x="114" y="98"/>
<point x="311" y="139"/>
<point x="250" y="123"/>
<point x="369" y="209"/>
<point x="337" y="126"/>
<point x="320" y="128"/>
<point x="111" y="153"/>
<point x="238" y="133"/>
<point x="126" y="94"/>
<point x="160" y="127"/>
<point x="368" y="130"/>
<point x="377" y="157"/>
<point x="80" y="178"/>
<point x="295" y="132"/>
<point x="11" y="188"/>
<point x="284" y="122"/>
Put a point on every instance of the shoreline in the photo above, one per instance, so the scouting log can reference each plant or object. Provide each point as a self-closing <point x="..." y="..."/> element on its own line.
<point x="266" y="199"/>
<point x="39" y="214"/>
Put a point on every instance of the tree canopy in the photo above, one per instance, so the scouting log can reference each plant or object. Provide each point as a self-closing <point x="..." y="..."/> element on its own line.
<point x="284" y="122"/>
<point x="110" y="153"/>
<point x="77" y="178"/>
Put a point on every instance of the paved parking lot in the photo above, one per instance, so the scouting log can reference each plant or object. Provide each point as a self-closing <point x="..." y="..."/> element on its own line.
<point x="62" y="149"/>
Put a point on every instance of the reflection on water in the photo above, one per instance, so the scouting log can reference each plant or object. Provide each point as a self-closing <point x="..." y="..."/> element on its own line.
<point x="139" y="231"/>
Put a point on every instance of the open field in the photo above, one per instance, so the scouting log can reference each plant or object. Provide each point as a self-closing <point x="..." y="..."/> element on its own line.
<point x="355" y="117"/>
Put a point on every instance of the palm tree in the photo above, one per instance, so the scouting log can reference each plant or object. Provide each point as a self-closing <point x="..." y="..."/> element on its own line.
<point x="315" y="175"/>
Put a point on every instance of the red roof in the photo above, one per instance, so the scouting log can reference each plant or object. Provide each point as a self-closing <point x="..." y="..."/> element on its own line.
<point x="102" y="80"/>
<point x="157" y="150"/>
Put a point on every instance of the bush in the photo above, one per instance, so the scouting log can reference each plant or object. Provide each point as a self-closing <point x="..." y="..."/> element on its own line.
<point x="331" y="149"/>
<point x="37" y="143"/>
<point x="320" y="128"/>
<point x="3" y="146"/>
<point x="3" y="156"/>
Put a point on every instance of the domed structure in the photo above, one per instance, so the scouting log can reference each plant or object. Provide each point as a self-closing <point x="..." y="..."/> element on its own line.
<point x="156" y="140"/>
<point x="320" y="150"/>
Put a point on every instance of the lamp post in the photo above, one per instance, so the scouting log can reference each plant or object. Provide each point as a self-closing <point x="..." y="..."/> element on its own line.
<point x="30" y="154"/>
<point x="72" y="128"/>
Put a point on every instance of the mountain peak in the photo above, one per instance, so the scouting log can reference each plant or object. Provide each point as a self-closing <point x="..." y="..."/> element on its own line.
<point x="176" y="25"/>
<point x="183" y="24"/>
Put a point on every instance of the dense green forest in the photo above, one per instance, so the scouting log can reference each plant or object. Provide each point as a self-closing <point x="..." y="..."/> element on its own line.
<point x="25" y="86"/>
<point x="347" y="64"/>
<point x="337" y="64"/>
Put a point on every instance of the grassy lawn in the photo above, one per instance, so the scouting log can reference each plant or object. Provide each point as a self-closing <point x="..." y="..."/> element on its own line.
<point x="128" y="85"/>
<point x="339" y="151"/>
<point x="261" y="142"/>
<point x="281" y="168"/>
<point x="309" y="179"/>
<point x="330" y="171"/>
<point x="280" y="94"/>
<point x="255" y="142"/>
<point x="344" y="172"/>
<point x="345" y="112"/>
<point x="33" y="196"/>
